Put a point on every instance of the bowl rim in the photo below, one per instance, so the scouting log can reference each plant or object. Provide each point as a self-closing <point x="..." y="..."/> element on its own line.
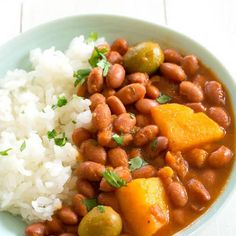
<point x="228" y="188"/>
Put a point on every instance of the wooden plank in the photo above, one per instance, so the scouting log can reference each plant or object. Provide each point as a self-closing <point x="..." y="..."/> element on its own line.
<point x="212" y="23"/>
<point x="9" y="19"/>
<point x="40" y="11"/>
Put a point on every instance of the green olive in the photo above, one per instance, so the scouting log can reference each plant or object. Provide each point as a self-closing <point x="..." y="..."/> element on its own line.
<point x="144" y="57"/>
<point x="101" y="221"/>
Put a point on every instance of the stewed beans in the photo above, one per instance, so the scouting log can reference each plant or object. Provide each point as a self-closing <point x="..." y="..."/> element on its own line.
<point x="131" y="150"/>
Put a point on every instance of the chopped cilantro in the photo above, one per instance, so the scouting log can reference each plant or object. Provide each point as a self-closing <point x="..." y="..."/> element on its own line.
<point x="62" y="101"/>
<point x="101" y="208"/>
<point x="99" y="59"/>
<point x="113" y="179"/>
<point x="90" y="203"/>
<point x="136" y="163"/>
<point x="52" y="134"/>
<point x="23" y="146"/>
<point x="118" y="139"/>
<point x="163" y="98"/>
<point x="93" y="36"/>
<point x="5" y="152"/>
<point x="61" y="141"/>
<point x="81" y="75"/>
<point x="73" y="121"/>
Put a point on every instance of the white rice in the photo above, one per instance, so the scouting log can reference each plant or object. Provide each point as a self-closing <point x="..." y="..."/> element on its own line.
<point x="34" y="181"/>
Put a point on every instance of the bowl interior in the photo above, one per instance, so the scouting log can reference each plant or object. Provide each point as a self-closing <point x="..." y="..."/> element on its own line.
<point x="59" y="33"/>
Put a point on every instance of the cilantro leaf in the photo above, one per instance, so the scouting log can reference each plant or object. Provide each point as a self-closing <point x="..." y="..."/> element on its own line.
<point x="136" y="163"/>
<point x="81" y="75"/>
<point x="113" y="179"/>
<point x="23" y="146"/>
<point x="99" y="59"/>
<point x="62" y="101"/>
<point x="101" y="208"/>
<point x="52" y="134"/>
<point x="163" y="98"/>
<point x="118" y="139"/>
<point x="5" y="152"/>
<point x="93" y="36"/>
<point x="61" y="141"/>
<point x="90" y="203"/>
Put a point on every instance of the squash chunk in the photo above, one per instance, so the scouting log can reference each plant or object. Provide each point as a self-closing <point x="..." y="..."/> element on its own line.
<point x="143" y="204"/>
<point x="184" y="128"/>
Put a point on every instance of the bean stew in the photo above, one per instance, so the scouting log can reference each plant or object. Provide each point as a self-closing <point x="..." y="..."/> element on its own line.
<point x="159" y="151"/>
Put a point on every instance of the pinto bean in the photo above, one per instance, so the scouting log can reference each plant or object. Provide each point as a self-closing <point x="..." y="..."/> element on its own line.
<point x="101" y="117"/>
<point x="107" y="92"/>
<point x="78" y="204"/>
<point x="115" y="76"/>
<point x="104" y="138"/>
<point x="127" y="139"/>
<point x="134" y="152"/>
<point x="143" y="120"/>
<point x="214" y="93"/>
<point x="220" y="116"/>
<point x="179" y="216"/>
<point x="92" y="151"/>
<point x="116" y="105"/>
<point x="118" y="157"/>
<point x="131" y="93"/>
<point x="144" y="105"/>
<point x="190" y="65"/>
<point x="200" y="81"/>
<point x="95" y="80"/>
<point x="177" y="194"/>
<point x="91" y="171"/>
<point x="85" y="188"/>
<point x="67" y="216"/>
<point x="145" y="135"/>
<point x="172" y="56"/>
<point x="220" y="158"/>
<point x="208" y="177"/>
<point x="138" y="77"/>
<point x="157" y="145"/>
<point x="120" y="45"/>
<point x="71" y="229"/>
<point x="197" y="157"/>
<point x="191" y="91"/>
<point x="79" y="135"/>
<point x="146" y="171"/>
<point x="108" y="199"/>
<point x="67" y="234"/>
<point x="196" y="106"/>
<point x="38" y="229"/>
<point x="124" y="123"/>
<point x="82" y="90"/>
<point x="198" y="190"/>
<point x="152" y="91"/>
<point x="172" y="71"/>
<point x="114" y="58"/>
<point x="96" y="98"/>
<point x="122" y="172"/>
<point x="54" y="226"/>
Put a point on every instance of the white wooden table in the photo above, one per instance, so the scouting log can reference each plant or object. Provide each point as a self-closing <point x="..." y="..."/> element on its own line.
<point x="210" y="22"/>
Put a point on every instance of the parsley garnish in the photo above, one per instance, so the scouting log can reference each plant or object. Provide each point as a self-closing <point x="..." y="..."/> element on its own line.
<point x="59" y="141"/>
<point x="73" y="121"/>
<point x="23" y="146"/>
<point x="163" y="98"/>
<point x="81" y="75"/>
<point x="101" y="208"/>
<point x="118" y="139"/>
<point x="154" y="144"/>
<point x="136" y="163"/>
<point x="5" y="152"/>
<point x="99" y="59"/>
<point x="93" y="36"/>
<point x="90" y="203"/>
<point x="113" y="179"/>
<point x="62" y="101"/>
